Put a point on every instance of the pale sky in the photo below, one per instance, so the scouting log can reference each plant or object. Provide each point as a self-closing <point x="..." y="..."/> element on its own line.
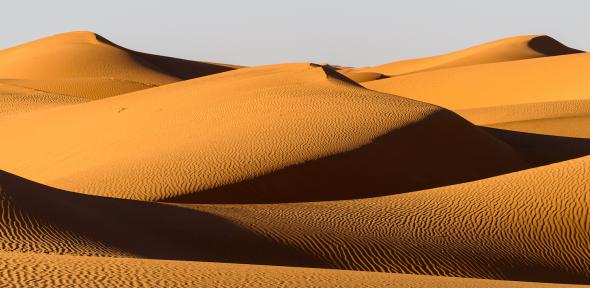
<point x="255" y="32"/>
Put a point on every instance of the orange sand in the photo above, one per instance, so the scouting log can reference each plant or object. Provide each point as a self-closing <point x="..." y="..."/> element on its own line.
<point x="114" y="172"/>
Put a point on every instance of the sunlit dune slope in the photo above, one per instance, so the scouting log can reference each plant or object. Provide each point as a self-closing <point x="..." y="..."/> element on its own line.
<point x="542" y="96"/>
<point x="37" y="270"/>
<point x="280" y="133"/>
<point x="529" y="225"/>
<point x="507" y="49"/>
<point x="14" y="99"/>
<point x="547" y="79"/>
<point x="85" y="64"/>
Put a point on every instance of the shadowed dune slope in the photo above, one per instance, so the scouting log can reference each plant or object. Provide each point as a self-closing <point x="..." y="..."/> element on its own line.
<point x="547" y="79"/>
<point x="507" y="49"/>
<point x="542" y="132"/>
<point x="280" y="133"/>
<point x="549" y="130"/>
<point x="85" y="64"/>
<point x="530" y="225"/>
<point x="35" y="270"/>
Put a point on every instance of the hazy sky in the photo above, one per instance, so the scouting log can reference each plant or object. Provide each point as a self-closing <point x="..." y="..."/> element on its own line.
<point x="252" y="32"/>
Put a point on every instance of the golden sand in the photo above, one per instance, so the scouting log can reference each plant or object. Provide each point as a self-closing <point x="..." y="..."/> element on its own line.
<point x="121" y="168"/>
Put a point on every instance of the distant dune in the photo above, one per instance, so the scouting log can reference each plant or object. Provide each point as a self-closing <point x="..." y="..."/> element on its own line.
<point x="86" y="65"/>
<point x="121" y="168"/>
<point x="546" y="79"/>
<point x="508" y="49"/>
<point x="540" y="96"/>
<point x="267" y="128"/>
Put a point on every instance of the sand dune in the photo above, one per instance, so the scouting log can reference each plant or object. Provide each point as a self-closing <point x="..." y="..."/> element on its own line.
<point x="282" y="133"/>
<point x="84" y="64"/>
<point x="168" y="170"/>
<point x="35" y="270"/>
<point x="529" y="225"/>
<point x="547" y="79"/>
<point x="507" y="49"/>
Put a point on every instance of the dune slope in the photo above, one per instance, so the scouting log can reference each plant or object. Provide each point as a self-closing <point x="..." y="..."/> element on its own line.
<point x="282" y="133"/>
<point x="547" y="79"/>
<point x="35" y="270"/>
<point x="507" y="49"/>
<point x="14" y="99"/>
<point x="529" y="225"/>
<point x="87" y="65"/>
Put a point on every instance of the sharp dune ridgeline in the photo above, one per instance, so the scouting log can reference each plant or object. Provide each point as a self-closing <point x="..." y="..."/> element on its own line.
<point x="121" y="168"/>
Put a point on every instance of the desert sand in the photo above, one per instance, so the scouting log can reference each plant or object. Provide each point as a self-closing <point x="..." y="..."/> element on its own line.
<point x="121" y="168"/>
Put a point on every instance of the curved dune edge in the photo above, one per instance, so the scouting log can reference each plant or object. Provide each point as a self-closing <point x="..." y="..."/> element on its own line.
<point x="280" y="133"/>
<point x="503" y="114"/>
<point x="529" y="225"/>
<point x="84" y="64"/>
<point x="548" y="79"/>
<point x="37" y="270"/>
<point x="507" y="49"/>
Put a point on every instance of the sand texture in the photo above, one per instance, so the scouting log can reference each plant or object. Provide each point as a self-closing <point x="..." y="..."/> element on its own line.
<point x="84" y="64"/>
<point x="267" y="128"/>
<point x="125" y="169"/>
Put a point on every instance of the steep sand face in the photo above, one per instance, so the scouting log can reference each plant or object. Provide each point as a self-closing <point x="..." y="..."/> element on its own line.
<point x="547" y="79"/>
<point x="281" y="133"/>
<point x="535" y="97"/>
<point x="542" y="132"/>
<point x="529" y="225"/>
<point x="85" y="64"/>
<point x="507" y="49"/>
<point x="34" y="270"/>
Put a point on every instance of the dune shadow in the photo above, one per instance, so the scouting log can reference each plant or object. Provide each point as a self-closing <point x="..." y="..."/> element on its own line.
<point x="550" y="47"/>
<point x="181" y="68"/>
<point x="145" y="229"/>
<point x="540" y="149"/>
<point x="440" y="150"/>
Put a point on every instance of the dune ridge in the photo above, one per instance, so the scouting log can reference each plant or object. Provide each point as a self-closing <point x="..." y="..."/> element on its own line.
<point x="502" y="50"/>
<point x="547" y="79"/>
<point x="314" y="135"/>
<point x="85" y="64"/>
<point x="122" y="168"/>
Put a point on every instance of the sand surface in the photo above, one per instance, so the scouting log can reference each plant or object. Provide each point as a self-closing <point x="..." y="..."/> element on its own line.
<point x="35" y="270"/>
<point x="267" y="128"/>
<point x="507" y="49"/>
<point x="84" y="64"/>
<point x="121" y="168"/>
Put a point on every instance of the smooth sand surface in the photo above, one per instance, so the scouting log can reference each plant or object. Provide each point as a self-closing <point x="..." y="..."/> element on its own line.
<point x="34" y="270"/>
<point x="507" y="49"/>
<point x="267" y="128"/>
<point x="114" y="172"/>
<point x="547" y="79"/>
<point x="85" y="64"/>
